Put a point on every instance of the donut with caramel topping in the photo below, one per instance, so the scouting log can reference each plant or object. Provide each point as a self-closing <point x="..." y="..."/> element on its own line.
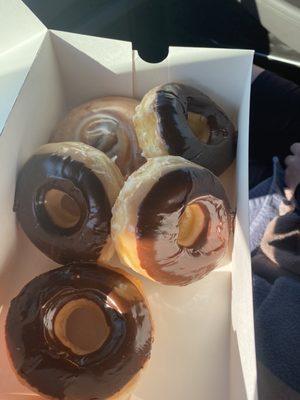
<point x="79" y="332"/>
<point x="172" y="221"/>
<point x="105" y="123"/>
<point x="63" y="201"/>
<point x="175" y="119"/>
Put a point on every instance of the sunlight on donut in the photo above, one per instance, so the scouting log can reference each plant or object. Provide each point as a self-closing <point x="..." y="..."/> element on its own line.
<point x="191" y="225"/>
<point x="198" y="124"/>
<point x="61" y="208"/>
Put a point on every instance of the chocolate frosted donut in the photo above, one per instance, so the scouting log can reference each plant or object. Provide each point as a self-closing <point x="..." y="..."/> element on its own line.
<point x="106" y="124"/>
<point x="172" y="221"/>
<point x="178" y="120"/>
<point x="79" y="332"/>
<point x="63" y="201"/>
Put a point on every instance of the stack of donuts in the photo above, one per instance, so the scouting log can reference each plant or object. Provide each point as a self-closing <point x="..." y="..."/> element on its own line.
<point x="119" y="175"/>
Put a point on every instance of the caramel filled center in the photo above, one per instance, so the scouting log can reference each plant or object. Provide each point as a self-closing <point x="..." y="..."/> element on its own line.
<point x="61" y="208"/>
<point x="81" y="326"/>
<point x="191" y="225"/>
<point x="199" y="125"/>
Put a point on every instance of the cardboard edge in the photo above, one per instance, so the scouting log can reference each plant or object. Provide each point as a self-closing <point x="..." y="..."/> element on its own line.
<point x="65" y="35"/>
<point x="51" y="34"/>
<point x="220" y="50"/>
<point x="242" y="383"/>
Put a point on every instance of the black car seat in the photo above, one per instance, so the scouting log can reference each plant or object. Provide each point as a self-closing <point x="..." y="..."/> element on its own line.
<point x="280" y="17"/>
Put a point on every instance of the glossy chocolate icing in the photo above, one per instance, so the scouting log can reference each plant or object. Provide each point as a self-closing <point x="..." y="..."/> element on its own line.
<point x="51" y="368"/>
<point x="172" y="104"/>
<point x="85" y="240"/>
<point x="157" y="226"/>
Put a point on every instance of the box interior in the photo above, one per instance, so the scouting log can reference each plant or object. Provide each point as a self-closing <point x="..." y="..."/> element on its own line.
<point x="197" y="349"/>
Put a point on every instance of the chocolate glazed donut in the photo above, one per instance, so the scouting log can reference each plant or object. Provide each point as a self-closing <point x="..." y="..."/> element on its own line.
<point x="106" y="124"/>
<point x="172" y="221"/>
<point x="178" y="120"/>
<point x="63" y="201"/>
<point x="79" y="332"/>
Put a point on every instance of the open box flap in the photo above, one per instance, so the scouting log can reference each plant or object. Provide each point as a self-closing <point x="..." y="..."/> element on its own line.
<point x="14" y="67"/>
<point x="18" y="24"/>
<point x="22" y="34"/>
<point x="91" y="54"/>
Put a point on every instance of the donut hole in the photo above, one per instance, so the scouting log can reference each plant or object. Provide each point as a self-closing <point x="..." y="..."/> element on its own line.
<point x="199" y="125"/>
<point x="62" y="209"/>
<point x="191" y="225"/>
<point x="81" y="326"/>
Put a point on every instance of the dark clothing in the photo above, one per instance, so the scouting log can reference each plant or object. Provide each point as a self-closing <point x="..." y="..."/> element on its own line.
<point x="274" y="117"/>
<point x="277" y="323"/>
<point x="275" y="243"/>
<point x="297" y="197"/>
<point x="274" y="125"/>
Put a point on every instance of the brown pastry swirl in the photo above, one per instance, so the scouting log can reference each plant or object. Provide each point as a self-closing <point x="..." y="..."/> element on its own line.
<point x="79" y="332"/>
<point x="172" y="221"/>
<point x="105" y="123"/>
<point x="176" y="119"/>
<point x="63" y="201"/>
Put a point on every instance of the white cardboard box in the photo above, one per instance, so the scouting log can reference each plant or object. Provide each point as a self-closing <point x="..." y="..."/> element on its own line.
<point x="204" y="343"/>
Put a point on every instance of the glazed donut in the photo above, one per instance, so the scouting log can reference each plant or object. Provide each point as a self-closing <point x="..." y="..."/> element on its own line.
<point x="79" y="332"/>
<point x="172" y="221"/>
<point x="63" y="201"/>
<point x="176" y="119"/>
<point x="106" y="124"/>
